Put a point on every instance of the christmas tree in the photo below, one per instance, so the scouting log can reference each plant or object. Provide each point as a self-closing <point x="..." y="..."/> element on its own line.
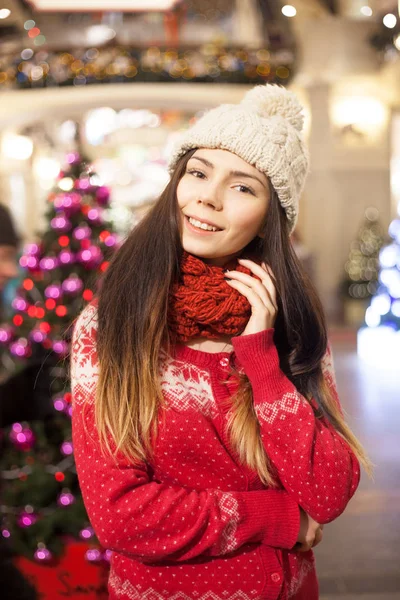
<point x="379" y="339"/>
<point x="40" y="493"/>
<point x="362" y="268"/>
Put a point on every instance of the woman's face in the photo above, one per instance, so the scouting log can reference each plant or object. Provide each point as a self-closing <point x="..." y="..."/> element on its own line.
<point x="220" y="189"/>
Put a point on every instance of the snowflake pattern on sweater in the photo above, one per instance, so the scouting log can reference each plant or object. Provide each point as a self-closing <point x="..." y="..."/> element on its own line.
<point x="186" y="387"/>
<point x="195" y="524"/>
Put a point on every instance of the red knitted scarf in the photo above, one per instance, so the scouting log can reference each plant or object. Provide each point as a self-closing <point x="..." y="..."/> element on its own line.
<point x="202" y="304"/>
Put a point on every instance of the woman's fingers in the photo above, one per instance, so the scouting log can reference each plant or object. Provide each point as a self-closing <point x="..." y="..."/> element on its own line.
<point x="308" y="544"/>
<point x="318" y="537"/>
<point x="252" y="283"/>
<point x="252" y="296"/>
<point x="264" y="272"/>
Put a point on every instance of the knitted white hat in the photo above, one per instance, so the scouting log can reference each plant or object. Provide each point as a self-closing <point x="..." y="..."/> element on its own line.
<point x="264" y="130"/>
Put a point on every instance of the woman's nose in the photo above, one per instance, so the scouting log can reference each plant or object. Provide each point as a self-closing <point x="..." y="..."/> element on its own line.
<point x="212" y="199"/>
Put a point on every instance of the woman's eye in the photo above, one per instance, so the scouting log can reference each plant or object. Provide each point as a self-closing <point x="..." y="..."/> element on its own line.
<point x="196" y="173"/>
<point x="245" y="189"/>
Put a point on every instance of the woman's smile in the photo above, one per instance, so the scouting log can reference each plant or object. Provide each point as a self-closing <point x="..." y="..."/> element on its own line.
<point x="200" y="227"/>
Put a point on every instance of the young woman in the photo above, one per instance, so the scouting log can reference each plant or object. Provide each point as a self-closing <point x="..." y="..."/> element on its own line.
<point x="209" y="440"/>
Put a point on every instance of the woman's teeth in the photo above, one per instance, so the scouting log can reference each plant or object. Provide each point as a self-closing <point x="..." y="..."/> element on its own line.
<point x="201" y="225"/>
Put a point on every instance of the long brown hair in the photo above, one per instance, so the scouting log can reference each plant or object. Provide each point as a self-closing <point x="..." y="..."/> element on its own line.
<point x="132" y="332"/>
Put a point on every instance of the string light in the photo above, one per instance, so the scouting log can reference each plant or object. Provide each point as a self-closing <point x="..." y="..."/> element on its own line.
<point x="212" y="62"/>
<point x="289" y="11"/>
<point x="366" y="11"/>
<point x="390" y="21"/>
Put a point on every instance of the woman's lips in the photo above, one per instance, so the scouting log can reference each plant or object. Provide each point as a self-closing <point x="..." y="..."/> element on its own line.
<point x="197" y="230"/>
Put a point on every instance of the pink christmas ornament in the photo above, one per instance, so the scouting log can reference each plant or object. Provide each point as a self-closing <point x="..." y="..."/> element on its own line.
<point x="103" y="195"/>
<point x="26" y="519"/>
<point x="37" y="336"/>
<point x="29" y="262"/>
<point x="32" y="249"/>
<point x="42" y="554"/>
<point x="73" y="158"/>
<point x="72" y="285"/>
<point x="19" y="303"/>
<point x="53" y="291"/>
<point x="86" y="533"/>
<point x="68" y="202"/>
<point x="83" y="183"/>
<point x="110" y="241"/>
<point x="66" y="257"/>
<point x="82" y="232"/>
<point x="60" y="347"/>
<point x="93" y="555"/>
<point x="61" y="223"/>
<point x="65" y="498"/>
<point x="59" y="404"/>
<point x="21" y="348"/>
<point x="67" y="448"/>
<point x="6" y="333"/>
<point x="95" y="216"/>
<point x="48" y="263"/>
<point x="90" y="257"/>
<point x="22" y="436"/>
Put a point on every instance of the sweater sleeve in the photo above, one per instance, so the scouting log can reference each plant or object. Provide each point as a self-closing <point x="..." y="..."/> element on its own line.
<point x="313" y="461"/>
<point x="134" y="514"/>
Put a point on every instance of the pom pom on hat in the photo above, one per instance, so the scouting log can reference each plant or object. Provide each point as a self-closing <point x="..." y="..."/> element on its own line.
<point x="273" y="100"/>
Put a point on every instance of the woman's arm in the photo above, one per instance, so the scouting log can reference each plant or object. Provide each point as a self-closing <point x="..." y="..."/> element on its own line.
<point x="153" y="521"/>
<point x="314" y="463"/>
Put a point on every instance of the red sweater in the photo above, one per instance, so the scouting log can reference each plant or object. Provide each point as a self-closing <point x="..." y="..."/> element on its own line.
<point x="196" y="524"/>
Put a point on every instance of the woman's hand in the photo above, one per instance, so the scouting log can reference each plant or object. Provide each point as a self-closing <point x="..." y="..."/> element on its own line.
<point x="260" y="294"/>
<point x="310" y="534"/>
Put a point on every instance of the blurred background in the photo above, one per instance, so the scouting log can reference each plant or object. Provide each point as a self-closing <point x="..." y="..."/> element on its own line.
<point x="93" y="95"/>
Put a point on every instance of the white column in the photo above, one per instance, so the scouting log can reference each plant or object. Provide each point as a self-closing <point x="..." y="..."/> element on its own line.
<point x="248" y="24"/>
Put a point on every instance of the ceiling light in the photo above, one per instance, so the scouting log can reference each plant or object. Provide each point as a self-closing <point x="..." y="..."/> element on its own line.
<point x="389" y="21"/>
<point x="289" y="11"/>
<point x="397" y="41"/>
<point x="366" y="11"/>
<point x="99" y="34"/>
<point x="15" y="146"/>
<point x="103" y="5"/>
<point x="4" y="13"/>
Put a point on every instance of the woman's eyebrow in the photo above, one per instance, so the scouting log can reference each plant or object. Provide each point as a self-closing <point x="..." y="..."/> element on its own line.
<point x="234" y="173"/>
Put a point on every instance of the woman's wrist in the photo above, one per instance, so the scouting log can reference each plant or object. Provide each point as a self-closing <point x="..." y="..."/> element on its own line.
<point x="258" y="356"/>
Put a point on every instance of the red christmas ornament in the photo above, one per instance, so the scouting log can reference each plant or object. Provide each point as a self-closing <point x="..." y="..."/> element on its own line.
<point x="85" y="244"/>
<point x="104" y="235"/>
<point x="32" y="312"/>
<point x="50" y="304"/>
<point x="63" y="241"/>
<point x="87" y="295"/>
<point x="59" y="476"/>
<point x="61" y="311"/>
<point x="40" y="313"/>
<point x="28" y="284"/>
